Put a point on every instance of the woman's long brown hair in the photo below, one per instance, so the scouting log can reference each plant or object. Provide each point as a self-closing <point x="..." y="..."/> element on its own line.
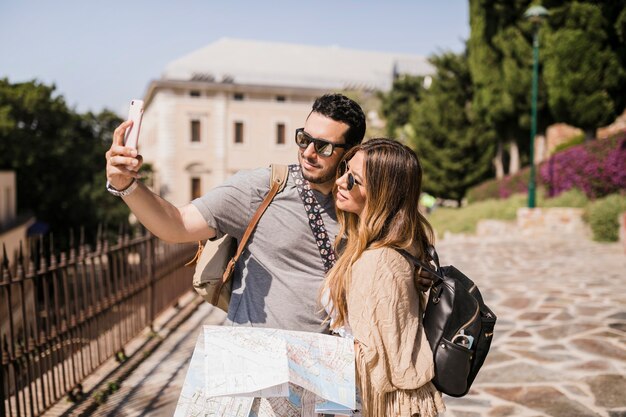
<point x="390" y="218"/>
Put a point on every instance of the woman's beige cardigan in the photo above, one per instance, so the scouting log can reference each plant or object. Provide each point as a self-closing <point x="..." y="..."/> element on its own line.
<point x="393" y="359"/>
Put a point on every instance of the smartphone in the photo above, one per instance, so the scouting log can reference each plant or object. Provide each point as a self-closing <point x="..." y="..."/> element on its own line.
<point x="135" y="113"/>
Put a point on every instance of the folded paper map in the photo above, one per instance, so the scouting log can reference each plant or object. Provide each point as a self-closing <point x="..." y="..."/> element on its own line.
<point x="244" y="371"/>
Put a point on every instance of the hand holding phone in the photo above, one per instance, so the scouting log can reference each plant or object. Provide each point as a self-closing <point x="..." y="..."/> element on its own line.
<point x="135" y="113"/>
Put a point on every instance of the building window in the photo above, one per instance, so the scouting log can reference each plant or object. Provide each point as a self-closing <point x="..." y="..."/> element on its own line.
<point x="281" y="98"/>
<point x="196" y="188"/>
<point x="195" y="131"/>
<point x="238" y="132"/>
<point x="280" y="133"/>
<point x="194" y="93"/>
<point x="238" y="96"/>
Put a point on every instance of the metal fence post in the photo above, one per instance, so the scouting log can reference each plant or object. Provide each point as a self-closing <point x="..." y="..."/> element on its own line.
<point x="152" y="279"/>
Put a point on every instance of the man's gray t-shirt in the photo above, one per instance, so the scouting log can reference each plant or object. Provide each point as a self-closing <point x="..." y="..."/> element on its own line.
<point x="278" y="277"/>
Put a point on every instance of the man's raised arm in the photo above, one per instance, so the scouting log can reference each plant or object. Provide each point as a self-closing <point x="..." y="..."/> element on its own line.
<point x="163" y="219"/>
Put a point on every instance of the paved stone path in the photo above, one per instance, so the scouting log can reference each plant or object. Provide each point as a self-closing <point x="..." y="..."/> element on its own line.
<point x="154" y="387"/>
<point x="559" y="347"/>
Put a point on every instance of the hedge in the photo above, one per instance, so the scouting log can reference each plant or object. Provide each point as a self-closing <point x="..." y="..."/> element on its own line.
<point x="603" y="217"/>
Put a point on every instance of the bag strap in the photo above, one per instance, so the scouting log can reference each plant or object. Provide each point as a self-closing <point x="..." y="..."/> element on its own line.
<point x="279" y="175"/>
<point x="436" y="272"/>
<point x="278" y="180"/>
<point x="277" y="183"/>
<point x="433" y="255"/>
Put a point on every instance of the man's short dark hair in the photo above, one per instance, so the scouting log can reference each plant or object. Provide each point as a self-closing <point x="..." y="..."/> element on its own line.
<point x="342" y="109"/>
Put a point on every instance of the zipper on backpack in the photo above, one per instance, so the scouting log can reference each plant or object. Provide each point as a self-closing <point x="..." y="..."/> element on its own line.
<point x="471" y="319"/>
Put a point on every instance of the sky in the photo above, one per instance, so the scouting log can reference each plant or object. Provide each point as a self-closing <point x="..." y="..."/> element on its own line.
<point x="101" y="54"/>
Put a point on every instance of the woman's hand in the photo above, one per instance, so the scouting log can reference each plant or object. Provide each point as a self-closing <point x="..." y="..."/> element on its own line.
<point x="424" y="279"/>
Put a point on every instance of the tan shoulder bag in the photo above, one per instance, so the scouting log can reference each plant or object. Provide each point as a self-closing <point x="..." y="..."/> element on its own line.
<point x="215" y="259"/>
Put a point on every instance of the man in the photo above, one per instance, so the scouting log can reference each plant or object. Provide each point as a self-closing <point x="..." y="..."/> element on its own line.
<point x="277" y="279"/>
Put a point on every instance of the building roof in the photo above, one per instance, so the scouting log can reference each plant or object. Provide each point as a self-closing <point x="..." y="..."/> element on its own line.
<point x="292" y="65"/>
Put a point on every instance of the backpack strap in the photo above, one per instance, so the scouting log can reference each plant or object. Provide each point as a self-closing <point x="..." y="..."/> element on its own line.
<point x="277" y="184"/>
<point x="278" y="180"/>
<point x="279" y="175"/>
<point x="433" y="255"/>
<point x="427" y="267"/>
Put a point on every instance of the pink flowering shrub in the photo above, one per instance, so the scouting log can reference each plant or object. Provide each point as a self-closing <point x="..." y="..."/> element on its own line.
<point x="597" y="168"/>
<point x="503" y="188"/>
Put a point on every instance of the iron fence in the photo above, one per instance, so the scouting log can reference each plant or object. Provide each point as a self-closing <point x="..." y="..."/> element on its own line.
<point x="62" y="316"/>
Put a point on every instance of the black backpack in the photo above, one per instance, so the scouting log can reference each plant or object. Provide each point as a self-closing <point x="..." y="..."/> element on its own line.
<point x="458" y="325"/>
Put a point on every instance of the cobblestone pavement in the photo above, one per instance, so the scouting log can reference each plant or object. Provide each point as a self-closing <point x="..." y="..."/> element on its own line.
<point x="559" y="347"/>
<point x="559" y="344"/>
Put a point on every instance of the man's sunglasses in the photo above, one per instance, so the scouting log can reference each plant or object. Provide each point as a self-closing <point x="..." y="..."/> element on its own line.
<point x="322" y="147"/>
<point x="343" y="168"/>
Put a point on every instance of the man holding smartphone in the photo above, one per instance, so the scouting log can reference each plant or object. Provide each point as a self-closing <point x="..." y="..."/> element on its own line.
<point x="277" y="278"/>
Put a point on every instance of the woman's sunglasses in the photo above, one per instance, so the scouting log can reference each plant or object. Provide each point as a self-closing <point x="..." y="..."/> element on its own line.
<point x="322" y="147"/>
<point x="343" y="168"/>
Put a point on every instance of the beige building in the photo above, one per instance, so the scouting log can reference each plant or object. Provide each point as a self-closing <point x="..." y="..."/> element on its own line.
<point x="12" y="228"/>
<point x="235" y="105"/>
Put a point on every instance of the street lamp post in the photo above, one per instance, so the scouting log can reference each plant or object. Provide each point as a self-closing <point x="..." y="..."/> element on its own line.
<point x="535" y="14"/>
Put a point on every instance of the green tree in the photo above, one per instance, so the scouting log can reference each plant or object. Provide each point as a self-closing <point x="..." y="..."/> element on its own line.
<point x="500" y="60"/>
<point x="58" y="157"/>
<point x="583" y="70"/>
<point x="398" y="103"/>
<point x="454" y="149"/>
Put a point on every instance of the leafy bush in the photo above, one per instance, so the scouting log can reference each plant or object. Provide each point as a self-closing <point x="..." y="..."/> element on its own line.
<point x="598" y="168"/>
<point x="602" y="216"/>
<point x="483" y="191"/>
<point x="515" y="184"/>
<point x="569" y="198"/>
<point x="502" y="188"/>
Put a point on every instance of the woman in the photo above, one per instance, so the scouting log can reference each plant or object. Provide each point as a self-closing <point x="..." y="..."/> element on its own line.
<point x="370" y="293"/>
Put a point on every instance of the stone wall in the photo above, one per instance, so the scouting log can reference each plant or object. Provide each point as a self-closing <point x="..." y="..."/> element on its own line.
<point x="614" y="128"/>
<point x="559" y="133"/>
<point x="540" y="222"/>
<point x="544" y="223"/>
<point x="556" y="220"/>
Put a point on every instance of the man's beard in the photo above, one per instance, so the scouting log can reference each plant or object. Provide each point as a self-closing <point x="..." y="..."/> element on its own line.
<point x="324" y="178"/>
<point x="318" y="180"/>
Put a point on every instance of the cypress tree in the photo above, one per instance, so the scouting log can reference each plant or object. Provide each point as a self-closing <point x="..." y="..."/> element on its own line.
<point x="454" y="150"/>
<point x="583" y="71"/>
<point x="397" y="104"/>
<point x="500" y="61"/>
